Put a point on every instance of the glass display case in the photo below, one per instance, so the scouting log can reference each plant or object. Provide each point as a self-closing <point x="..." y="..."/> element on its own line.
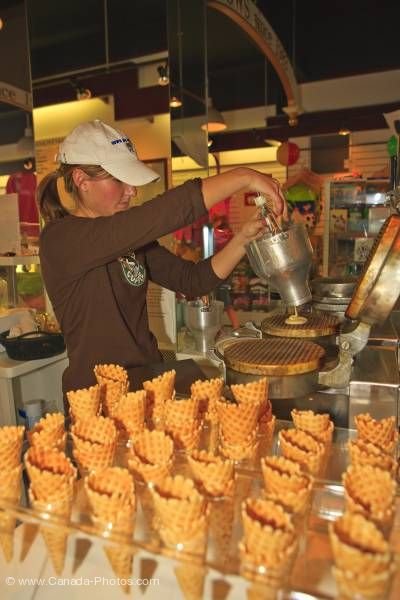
<point x="354" y="213"/>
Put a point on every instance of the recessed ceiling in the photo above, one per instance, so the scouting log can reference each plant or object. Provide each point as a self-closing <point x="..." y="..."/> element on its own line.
<point x="322" y="39"/>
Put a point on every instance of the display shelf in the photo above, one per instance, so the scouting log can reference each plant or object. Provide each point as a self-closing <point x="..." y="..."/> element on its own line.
<point x="311" y="571"/>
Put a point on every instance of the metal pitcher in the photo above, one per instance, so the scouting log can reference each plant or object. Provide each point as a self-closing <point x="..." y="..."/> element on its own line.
<point x="285" y="259"/>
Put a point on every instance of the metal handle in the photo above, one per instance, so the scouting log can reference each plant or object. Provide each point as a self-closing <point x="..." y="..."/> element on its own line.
<point x="267" y="214"/>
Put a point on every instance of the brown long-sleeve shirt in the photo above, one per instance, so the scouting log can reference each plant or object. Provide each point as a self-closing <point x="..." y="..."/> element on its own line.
<point x="99" y="301"/>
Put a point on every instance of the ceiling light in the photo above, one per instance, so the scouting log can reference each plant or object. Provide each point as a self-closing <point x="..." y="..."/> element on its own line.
<point x="210" y="142"/>
<point x="1" y="23"/>
<point x="175" y="102"/>
<point x="163" y="78"/>
<point x="344" y="131"/>
<point x="215" y="121"/>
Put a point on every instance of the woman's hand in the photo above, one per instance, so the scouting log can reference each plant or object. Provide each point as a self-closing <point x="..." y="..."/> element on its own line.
<point x="226" y="184"/>
<point x="253" y="229"/>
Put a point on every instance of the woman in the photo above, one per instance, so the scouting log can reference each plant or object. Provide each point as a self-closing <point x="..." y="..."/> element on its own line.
<point x="96" y="260"/>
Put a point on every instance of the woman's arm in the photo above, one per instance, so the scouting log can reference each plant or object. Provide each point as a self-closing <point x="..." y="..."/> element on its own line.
<point x="221" y="186"/>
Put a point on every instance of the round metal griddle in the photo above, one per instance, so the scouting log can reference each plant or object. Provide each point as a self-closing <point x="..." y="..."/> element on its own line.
<point x="378" y="287"/>
<point x="318" y="324"/>
<point x="273" y="357"/>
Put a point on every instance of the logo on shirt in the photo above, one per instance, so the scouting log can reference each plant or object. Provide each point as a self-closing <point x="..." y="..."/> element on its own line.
<point x="133" y="271"/>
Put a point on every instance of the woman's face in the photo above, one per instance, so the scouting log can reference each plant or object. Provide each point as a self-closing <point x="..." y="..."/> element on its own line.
<point x="103" y="197"/>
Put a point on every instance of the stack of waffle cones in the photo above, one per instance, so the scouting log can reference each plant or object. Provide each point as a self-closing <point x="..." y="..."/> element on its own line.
<point x="150" y="457"/>
<point x="52" y="477"/>
<point x="238" y="429"/>
<point x="150" y="461"/>
<point x="94" y="443"/>
<point x="85" y="402"/>
<point x="286" y="482"/>
<point x="213" y="474"/>
<point x="257" y="392"/>
<point x="317" y="424"/>
<point x="49" y="432"/>
<point x="381" y="432"/>
<point x="181" y="421"/>
<point x="181" y="514"/>
<point x="111" y="497"/>
<point x="269" y="541"/>
<point x="362" y="452"/>
<point x="159" y="390"/>
<point x="129" y="413"/>
<point x="371" y="492"/>
<point x="114" y="383"/>
<point x="364" y="563"/>
<point x="11" y="438"/>
<point x="301" y="447"/>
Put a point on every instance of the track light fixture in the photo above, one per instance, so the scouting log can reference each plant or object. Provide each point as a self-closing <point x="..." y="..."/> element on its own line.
<point x="163" y="77"/>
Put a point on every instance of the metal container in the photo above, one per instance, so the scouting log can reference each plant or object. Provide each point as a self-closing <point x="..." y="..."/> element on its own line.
<point x="203" y="321"/>
<point x="333" y="289"/>
<point x="285" y="259"/>
<point x="279" y="387"/>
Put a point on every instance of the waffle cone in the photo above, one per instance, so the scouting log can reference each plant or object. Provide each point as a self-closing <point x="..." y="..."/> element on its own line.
<point x="85" y="402"/>
<point x="177" y="503"/>
<point x="237" y="421"/>
<point x="186" y="436"/>
<point x="281" y="473"/>
<point x="91" y="456"/>
<point x="55" y="538"/>
<point x="379" y="432"/>
<point x="191" y="539"/>
<point x="107" y="372"/>
<point x="121" y="561"/>
<point x="362" y="452"/>
<point x="51" y="474"/>
<point x="276" y="567"/>
<point x="190" y="578"/>
<point x="268" y="529"/>
<point x="111" y="496"/>
<point x="179" y="412"/>
<point x="255" y="392"/>
<point x="208" y="392"/>
<point x="242" y="450"/>
<point x="301" y="447"/>
<point x="10" y="490"/>
<point x="112" y="392"/>
<point x="212" y="472"/>
<point x="11" y="438"/>
<point x="129" y="413"/>
<point x="296" y="503"/>
<point x="154" y="447"/>
<point x="100" y="430"/>
<point x="48" y="432"/>
<point x="370" y="491"/>
<point x="222" y="515"/>
<point x="146" y="502"/>
<point x="363" y="585"/>
<point x="310" y="421"/>
<point x="159" y="390"/>
<point x="7" y="528"/>
<point x="147" y="472"/>
<point x="358" y="545"/>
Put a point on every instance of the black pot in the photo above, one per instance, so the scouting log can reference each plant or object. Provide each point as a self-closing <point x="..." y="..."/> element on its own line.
<point x="33" y="345"/>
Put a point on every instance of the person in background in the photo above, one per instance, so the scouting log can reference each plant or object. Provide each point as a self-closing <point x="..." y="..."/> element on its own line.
<point x="98" y="258"/>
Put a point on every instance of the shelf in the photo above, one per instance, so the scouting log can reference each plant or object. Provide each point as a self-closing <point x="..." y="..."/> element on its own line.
<point x="12" y="261"/>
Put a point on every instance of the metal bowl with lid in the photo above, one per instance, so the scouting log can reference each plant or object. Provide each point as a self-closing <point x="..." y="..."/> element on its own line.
<point x="291" y="365"/>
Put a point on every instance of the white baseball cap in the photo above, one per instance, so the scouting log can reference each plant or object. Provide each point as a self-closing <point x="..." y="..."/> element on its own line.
<point x="96" y="143"/>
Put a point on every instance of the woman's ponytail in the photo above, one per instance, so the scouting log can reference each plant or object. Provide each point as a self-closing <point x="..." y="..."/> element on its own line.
<point x="48" y="198"/>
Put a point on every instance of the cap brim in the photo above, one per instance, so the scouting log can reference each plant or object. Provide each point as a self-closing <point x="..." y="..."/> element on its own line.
<point x="131" y="171"/>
